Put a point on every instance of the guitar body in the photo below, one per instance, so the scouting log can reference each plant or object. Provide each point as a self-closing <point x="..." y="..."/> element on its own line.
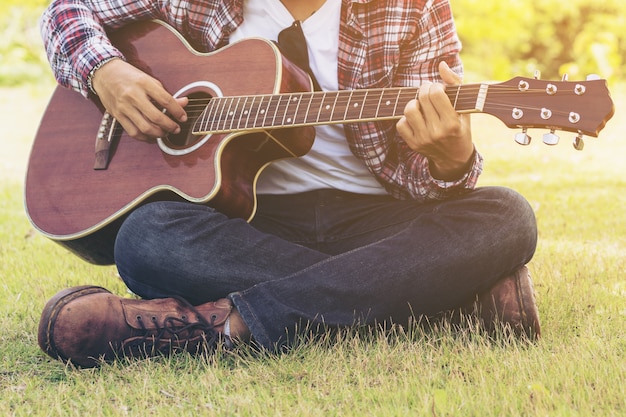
<point x="82" y="208"/>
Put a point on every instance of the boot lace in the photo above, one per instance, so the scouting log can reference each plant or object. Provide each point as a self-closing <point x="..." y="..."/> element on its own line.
<point x="176" y="334"/>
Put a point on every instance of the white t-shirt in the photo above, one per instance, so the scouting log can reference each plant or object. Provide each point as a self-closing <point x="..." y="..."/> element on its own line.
<point x="330" y="163"/>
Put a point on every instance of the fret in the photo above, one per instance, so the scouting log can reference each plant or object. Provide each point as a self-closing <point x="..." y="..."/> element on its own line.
<point x="248" y="110"/>
<point x="265" y="110"/>
<point x="356" y="106"/>
<point x="321" y="107"/>
<point x="388" y="103"/>
<point x="219" y="122"/>
<point x="205" y="117"/>
<point x="347" y="105"/>
<point x="327" y="109"/>
<point x="275" y="108"/>
<point x="235" y="113"/>
<point x="212" y="114"/>
<point x="281" y="110"/>
<point x="226" y="115"/>
<point x="311" y="97"/>
<point x="470" y="98"/>
<point x="296" y="111"/>
<point x="223" y="117"/>
<point x="363" y="104"/>
<point x="456" y="97"/>
<point x="216" y="123"/>
<point x="395" y="106"/>
<point x="380" y="100"/>
<point x="259" y="111"/>
<point x="334" y="107"/>
<point x="269" y="108"/>
<point x="287" y="116"/>
<point x="284" y="110"/>
<point x="405" y="96"/>
<point x="240" y="111"/>
<point x="200" y="124"/>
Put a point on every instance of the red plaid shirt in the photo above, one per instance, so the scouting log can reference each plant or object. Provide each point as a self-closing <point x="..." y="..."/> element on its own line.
<point x="381" y="44"/>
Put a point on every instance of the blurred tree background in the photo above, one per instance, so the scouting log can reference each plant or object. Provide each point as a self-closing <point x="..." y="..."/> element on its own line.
<point x="22" y="59"/>
<point x="506" y="38"/>
<point x="501" y="39"/>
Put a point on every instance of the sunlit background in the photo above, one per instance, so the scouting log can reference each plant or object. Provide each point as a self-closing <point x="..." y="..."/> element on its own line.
<point x="517" y="37"/>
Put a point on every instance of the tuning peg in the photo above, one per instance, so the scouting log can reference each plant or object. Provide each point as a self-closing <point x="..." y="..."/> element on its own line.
<point x="579" y="143"/>
<point x="551" y="138"/>
<point x="537" y="74"/>
<point x="593" y="77"/>
<point x="523" y="138"/>
<point x="565" y="77"/>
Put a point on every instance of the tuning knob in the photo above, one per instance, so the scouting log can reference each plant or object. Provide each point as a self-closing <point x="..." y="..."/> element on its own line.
<point x="523" y="138"/>
<point x="551" y="138"/>
<point x="579" y="143"/>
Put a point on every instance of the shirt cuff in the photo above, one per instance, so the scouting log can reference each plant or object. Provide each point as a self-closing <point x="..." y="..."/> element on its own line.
<point x="468" y="180"/>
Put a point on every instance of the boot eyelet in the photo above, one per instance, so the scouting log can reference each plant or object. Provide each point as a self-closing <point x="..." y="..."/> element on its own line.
<point x="153" y="318"/>
<point x="183" y="317"/>
<point x="213" y="316"/>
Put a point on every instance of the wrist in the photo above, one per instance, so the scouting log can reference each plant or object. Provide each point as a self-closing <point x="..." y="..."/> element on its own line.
<point x="92" y="73"/>
<point x="451" y="170"/>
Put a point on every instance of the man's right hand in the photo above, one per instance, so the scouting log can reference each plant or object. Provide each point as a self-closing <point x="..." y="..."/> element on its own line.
<point x="137" y="101"/>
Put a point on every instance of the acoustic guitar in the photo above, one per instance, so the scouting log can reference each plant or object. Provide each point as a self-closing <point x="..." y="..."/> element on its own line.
<point x="249" y="106"/>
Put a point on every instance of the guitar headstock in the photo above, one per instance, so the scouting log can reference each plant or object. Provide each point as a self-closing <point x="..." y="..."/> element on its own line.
<point x="582" y="107"/>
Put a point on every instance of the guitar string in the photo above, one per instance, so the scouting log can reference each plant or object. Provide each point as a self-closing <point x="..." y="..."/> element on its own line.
<point x="465" y="88"/>
<point x="201" y="104"/>
<point x="461" y="104"/>
<point x="466" y="96"/>
<point x="462" y="96"/>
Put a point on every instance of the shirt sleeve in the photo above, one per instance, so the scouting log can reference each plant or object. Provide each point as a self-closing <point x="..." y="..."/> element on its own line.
<point x="75" y="42"/>
<point x="75" y="31"/>
<point x="435" y="40"/>
<point x="75" y="38"/>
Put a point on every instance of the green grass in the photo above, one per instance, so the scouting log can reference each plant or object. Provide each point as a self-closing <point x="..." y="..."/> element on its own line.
<point x="577" y="369"/>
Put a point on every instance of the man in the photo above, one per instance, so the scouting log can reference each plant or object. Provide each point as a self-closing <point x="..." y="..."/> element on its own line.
<point x="379" y="222"/>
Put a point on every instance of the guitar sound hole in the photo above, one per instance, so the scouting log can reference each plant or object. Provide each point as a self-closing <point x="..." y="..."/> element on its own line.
<point x="197" y="103"/>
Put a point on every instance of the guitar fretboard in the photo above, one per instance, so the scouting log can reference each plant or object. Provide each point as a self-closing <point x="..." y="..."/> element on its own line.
<point x="227" y="114"/>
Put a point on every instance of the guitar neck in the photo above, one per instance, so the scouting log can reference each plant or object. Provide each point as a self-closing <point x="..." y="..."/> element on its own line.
<point x="228" y="114"/>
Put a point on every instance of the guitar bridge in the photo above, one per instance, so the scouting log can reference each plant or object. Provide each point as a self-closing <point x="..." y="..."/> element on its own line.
<point x="103" y="141"/>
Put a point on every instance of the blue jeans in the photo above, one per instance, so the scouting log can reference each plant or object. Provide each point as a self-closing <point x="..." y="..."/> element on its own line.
<point x="328" y="257"/>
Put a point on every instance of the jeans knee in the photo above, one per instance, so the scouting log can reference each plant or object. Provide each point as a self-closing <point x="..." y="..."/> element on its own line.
<point x="516" y="216"/>
<point x="159" y="240"/>
<point x="518" y="208"/>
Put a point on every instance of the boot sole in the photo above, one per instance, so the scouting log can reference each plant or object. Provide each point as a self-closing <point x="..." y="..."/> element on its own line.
<point x="45" y="334"/>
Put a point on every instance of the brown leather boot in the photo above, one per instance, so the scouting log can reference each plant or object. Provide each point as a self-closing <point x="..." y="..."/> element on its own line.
<point x="511" y="304"/>
<point x="86" y="325"/>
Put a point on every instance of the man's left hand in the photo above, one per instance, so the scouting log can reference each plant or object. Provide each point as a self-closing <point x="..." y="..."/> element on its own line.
<point x="432" y="127"/>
